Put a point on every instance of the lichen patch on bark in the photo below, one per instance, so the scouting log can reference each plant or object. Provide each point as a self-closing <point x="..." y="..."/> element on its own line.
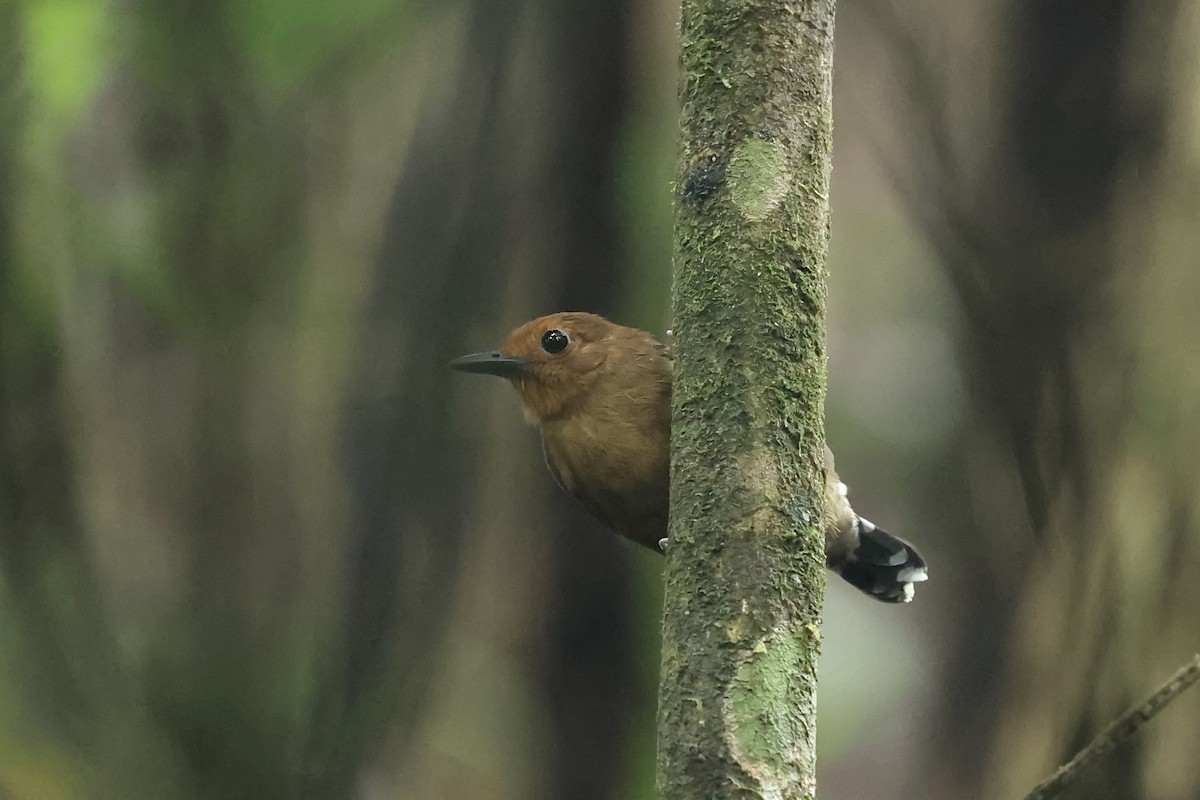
<point x="762" y="728"/>
<point x="758" y="177"/>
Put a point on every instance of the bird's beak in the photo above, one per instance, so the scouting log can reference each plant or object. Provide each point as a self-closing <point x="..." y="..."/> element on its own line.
<point x="490" y="363"/>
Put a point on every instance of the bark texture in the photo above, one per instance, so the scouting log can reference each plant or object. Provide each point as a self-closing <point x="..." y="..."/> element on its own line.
<point x="745" y="576"/>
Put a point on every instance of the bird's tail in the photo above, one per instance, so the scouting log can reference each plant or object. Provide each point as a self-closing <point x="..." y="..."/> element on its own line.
<point x="883" y="565"/>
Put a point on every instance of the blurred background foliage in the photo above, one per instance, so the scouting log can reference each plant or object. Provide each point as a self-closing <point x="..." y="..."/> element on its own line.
<point x="256" y="542"/>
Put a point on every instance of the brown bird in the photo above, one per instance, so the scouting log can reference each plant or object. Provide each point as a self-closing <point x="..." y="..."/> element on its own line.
<point x="600" y="394"/>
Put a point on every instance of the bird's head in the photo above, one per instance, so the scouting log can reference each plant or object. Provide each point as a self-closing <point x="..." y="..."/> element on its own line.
<point x="553" y="362"/>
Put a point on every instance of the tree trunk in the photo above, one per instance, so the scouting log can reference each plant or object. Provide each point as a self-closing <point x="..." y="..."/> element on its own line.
<point x="745" y="575"/>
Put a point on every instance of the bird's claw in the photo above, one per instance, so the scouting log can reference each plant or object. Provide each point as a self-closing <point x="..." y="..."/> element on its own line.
<point x="662" y="544"/>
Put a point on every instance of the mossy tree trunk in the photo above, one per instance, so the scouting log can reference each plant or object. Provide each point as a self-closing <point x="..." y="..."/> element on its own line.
<point x="745" y="576"/>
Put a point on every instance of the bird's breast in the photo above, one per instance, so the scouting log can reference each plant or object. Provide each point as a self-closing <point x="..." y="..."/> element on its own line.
<point x="614" y="456"/>
<point x="618" y="471"/>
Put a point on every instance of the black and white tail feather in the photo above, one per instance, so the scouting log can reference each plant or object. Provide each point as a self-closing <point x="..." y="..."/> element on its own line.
<point x="882" y="565"/>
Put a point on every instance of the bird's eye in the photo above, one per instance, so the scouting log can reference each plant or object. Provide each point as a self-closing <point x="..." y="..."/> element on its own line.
<point x="555" y="341"/>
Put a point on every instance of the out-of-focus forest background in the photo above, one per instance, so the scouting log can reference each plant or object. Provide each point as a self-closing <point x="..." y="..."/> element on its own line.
<point x="257" y="542"/>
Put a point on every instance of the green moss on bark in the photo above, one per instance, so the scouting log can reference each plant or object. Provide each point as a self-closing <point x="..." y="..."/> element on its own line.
<point x="745" y="577"/>
<point x="760" y="720"/>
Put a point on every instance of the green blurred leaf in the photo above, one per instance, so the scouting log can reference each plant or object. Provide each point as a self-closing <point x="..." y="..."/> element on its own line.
<point x="67" y="45"/>
<point x="287" y="41"/>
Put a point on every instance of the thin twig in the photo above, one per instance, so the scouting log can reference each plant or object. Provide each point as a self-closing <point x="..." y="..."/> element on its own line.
<point x="1121" y="729"/>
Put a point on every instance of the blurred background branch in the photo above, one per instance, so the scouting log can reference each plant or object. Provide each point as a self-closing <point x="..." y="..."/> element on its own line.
<point x="1117" y="733"/>
<point x="256" y="542"/>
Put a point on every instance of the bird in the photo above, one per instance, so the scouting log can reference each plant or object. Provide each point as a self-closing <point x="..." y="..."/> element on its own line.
<point x="600" y="395"/>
